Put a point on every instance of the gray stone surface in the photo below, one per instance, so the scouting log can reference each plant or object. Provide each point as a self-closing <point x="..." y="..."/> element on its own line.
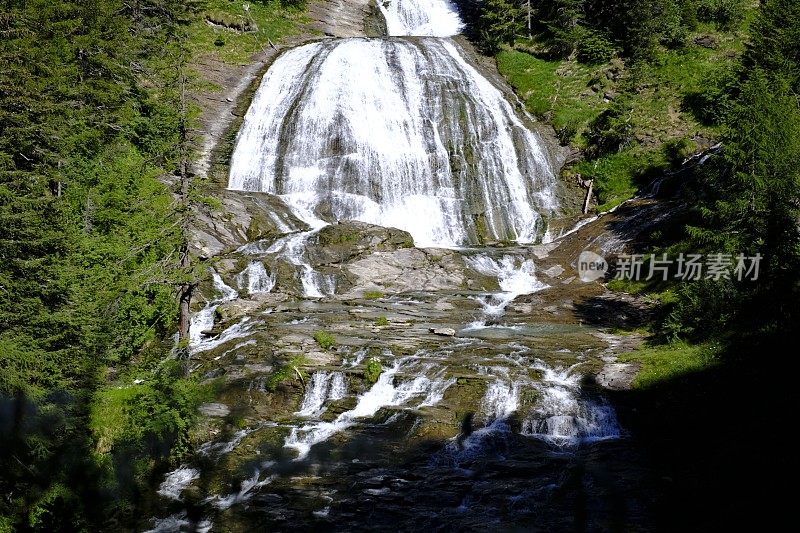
<point x="214" y="409"/>
<point x="618" y="376"/>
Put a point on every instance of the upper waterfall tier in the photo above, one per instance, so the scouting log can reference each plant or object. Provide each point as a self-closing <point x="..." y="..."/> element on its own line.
<point x="432" y="18"/>
<point x="394" y="132"/>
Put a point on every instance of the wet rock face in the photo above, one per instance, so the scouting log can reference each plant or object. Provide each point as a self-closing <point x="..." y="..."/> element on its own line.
<point x="242" y="218"/>
<point x="346" y="18"/>
<point x="471" y="421"/>
<point x="214" y="409"/>
<point x="404" y="270"/>
<point x="342" y="242"/>
<point x="480" y="383"/>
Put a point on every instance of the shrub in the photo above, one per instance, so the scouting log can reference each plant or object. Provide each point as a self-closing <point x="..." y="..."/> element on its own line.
<point x="710" y="103"/>
<point x="382" y="321"/>
<point x="726" y="13"/>
<point x="677" y="150"/>
<point x="594" y="48"/>
<point x="372" y="370"/>
<point x="702" y="309"/>
<point x="670" y="24"/>
<point x="324" y="339"/>
<point x="612" y="130"/>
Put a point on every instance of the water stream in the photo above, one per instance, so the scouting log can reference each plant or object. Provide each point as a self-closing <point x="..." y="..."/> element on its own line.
<point x="399" y="132"/>
<point x="396" y="132"/>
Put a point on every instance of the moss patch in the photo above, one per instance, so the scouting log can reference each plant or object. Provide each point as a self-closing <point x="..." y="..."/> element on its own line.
<point x="324" y="339"/>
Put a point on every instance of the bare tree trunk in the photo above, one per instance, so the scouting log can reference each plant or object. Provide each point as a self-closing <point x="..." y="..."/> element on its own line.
<point x="187" y="286"/>
<point x="588" y="197"/>
<point x="530" y="27"/>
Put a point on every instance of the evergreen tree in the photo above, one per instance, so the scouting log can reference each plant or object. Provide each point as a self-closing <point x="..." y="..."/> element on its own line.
<point x="500" y="22"/>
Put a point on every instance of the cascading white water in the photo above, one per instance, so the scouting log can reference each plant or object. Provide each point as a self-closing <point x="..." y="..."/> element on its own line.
<point x="218" y="449"/>
<point x="384" y="393"/>
<point x="516" y="276"/>
<point x="292" y="249"/>
<point x="246" y="491"/>
<point x="315" y="285"/>
<point x="562" y="416"/>
<point x="404" y="133"/>
<point x="203" y="320"/>
<point x="179" y="522"/>
<point x="324" y="386"/>
<point x="434" y="18"/>
<point x="400" y="133"/>
<point x="501" y="400"/>
<point x="176" y="481"/>
<point x="437" y="390"/>
<point x="255" y="278"/>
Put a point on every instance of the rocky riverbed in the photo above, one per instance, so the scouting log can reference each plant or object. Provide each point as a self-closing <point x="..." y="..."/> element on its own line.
<point x="361" y="380"/>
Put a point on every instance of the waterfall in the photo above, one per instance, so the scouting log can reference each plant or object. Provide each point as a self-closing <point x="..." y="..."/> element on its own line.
<point x="324" y="386"/>
<point x="563" y="416"/>
<point x="255" y="278"/>
<point x="434" y="18"/>
<point x="203" y="320"/>
<point x="396" y="132"/>
<point x="292" y="249"/>
<point x="500" y="401"/>
<point x="338" y="387"/>
<point x="176" y="481"/>
<point x="388" y="391"/>
<point x="247" y="490"/>
<point x="515" y="276"/>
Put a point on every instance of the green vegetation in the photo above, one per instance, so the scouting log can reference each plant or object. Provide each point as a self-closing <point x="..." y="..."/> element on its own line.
<point x="228" y="33"/>
<point x="97" y="195"/>
<point x="627" y="102"/>
<point x="681" y="77"/>
<point x="552" y="89"/>
<point x="89" y="240"/>
<point x="382" y="321"/>
<point x="638" y="86"/>
<point x="372" y="370"/>
<point x="665" y="363"/>
<point x="324" y="339"/>
<point x="288" y="371"/>
<point x="373" y="295"/>
<point x="95" y="275"/>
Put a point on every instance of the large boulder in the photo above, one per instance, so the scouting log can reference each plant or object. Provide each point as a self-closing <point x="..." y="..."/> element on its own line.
<point x="407" y="269"/>
<point x="346" y="240"/>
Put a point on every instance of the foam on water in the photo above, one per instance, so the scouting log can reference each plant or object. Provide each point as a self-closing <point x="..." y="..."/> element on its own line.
<point x="176" y="481"/>
<point x="434" y="18"/>
<point x="384" y="393"/>
<point x="397" y="133"/>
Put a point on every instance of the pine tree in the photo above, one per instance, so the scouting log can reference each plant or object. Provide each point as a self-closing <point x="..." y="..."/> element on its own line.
<point x="500" y="22"/>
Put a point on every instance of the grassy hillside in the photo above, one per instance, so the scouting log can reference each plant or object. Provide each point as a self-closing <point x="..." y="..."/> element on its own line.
<point x="632" y="118"/>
